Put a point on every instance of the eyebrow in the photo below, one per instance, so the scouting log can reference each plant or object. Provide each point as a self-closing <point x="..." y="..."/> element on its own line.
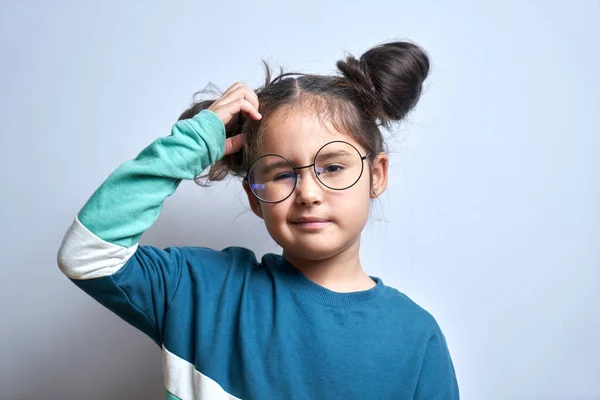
<point x="272" y="166"/>
<point x="338" y="153"/>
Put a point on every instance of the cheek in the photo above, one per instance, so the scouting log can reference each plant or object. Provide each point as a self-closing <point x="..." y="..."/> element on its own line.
<point x="360" y="193"/>
<point x="275" y="214"/>
<point x="351" y="204"/>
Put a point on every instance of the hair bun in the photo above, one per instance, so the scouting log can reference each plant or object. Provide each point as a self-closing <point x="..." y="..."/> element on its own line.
<point x="388" y="78"/>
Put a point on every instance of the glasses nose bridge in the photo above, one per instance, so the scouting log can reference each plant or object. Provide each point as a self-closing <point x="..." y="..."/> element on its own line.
<point x="299" y="175"/>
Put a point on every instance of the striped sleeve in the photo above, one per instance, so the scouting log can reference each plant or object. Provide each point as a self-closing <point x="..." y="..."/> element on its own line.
<point x="100" y="251"/>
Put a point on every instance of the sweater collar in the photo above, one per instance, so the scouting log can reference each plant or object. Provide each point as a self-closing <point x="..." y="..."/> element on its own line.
<point x="321" y="294"/>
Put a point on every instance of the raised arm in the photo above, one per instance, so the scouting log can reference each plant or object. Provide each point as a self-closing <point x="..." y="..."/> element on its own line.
<point x="100" y="251"/>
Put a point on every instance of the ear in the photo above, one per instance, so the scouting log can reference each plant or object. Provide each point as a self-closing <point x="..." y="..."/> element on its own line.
<point x="379" y="175"/>
<point x="253" y="201"/>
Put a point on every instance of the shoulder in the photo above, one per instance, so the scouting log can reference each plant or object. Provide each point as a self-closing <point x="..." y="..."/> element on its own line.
<point x="228" y="258"/>
<point x="208" y="272"/>
<point x="229" y="253"/>
<point x="413" y="316"/>
<point x="235" y="262"/>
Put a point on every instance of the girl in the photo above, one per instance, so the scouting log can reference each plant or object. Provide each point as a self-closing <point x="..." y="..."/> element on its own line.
<point x="307" y="324"/>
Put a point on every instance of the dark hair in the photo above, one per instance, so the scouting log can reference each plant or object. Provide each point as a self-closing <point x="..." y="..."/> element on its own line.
<point x="377" y="89"/>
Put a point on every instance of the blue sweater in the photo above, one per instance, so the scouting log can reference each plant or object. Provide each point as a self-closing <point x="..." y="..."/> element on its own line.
<point x="230" y="326"/>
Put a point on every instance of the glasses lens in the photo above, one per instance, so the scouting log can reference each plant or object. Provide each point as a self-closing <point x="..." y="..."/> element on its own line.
<point x="339" y="165"/>
<point x="272" y="178"/>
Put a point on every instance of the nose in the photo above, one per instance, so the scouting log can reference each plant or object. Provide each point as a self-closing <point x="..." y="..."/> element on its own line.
<point x="309" y="190"/>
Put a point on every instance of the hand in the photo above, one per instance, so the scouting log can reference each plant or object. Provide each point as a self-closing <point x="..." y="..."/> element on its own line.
<point x="238" y="98"/>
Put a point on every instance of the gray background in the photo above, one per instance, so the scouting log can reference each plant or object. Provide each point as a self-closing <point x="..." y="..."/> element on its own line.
<point x="491" y="221"/>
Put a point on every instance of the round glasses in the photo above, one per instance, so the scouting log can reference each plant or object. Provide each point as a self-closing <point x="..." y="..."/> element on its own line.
<point x="338" y="165"/>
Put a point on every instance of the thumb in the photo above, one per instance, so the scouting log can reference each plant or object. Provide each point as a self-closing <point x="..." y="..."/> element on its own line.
<point x="233" y="144"/>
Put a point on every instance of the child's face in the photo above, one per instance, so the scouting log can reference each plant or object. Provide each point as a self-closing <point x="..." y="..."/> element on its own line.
<point x="298" y="137"/>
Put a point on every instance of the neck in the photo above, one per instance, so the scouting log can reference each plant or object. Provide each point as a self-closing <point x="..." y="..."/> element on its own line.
<point x="341" y="272"/>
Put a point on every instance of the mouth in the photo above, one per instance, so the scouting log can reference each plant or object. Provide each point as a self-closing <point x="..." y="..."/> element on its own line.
<point x="310" y="223"/>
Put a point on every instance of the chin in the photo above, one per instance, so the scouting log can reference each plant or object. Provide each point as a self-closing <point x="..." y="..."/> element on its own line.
<point x="314" y="244"/>
<point x="315" y="249"/>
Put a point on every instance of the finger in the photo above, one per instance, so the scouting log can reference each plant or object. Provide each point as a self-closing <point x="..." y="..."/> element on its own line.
<point x="232" y="88"/>
<point x="234" y="92"/>
<point x="225" y="96"/>
<point x="241" y="92"/>
<point x="234" y="144"/>
<point x="253" y="97"/>
<point x="234" y="107"/>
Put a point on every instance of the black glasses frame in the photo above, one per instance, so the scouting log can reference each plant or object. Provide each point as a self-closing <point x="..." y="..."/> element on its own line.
<point x="314" y="165"/>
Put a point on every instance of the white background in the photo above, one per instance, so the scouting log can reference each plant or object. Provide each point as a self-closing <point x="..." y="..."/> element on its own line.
<point x="491" y="221"/>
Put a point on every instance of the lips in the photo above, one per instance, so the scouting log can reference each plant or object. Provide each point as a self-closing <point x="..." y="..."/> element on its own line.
<point x="306" y="220"/>
<point x="310" y="224"/>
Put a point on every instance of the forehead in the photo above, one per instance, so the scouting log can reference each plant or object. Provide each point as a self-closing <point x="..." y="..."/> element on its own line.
<point x="299" y="135"/>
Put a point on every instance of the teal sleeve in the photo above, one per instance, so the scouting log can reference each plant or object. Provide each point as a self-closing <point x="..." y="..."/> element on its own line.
<point x="130" y="199"/>
<point x="141" y="291"/>
<point x="437" y="379"/>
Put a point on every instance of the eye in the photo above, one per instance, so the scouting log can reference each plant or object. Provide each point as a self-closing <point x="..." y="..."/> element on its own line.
<point x="283" y="176"/>
<point x="332" y="169"/>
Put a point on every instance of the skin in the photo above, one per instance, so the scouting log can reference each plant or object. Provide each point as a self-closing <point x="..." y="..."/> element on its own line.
<point x="329" y="254"/>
